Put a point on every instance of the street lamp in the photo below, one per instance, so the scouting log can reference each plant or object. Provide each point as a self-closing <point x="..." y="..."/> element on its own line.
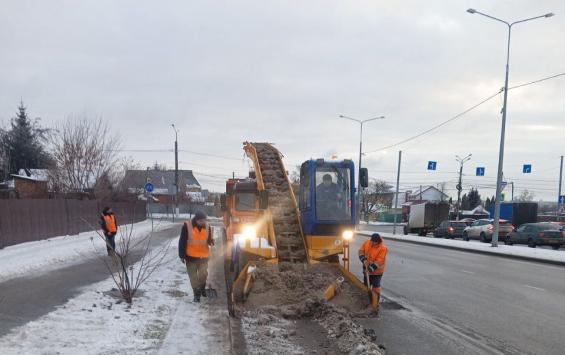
<point x="361" y="122"/>
<point x="176" y="172"/>
<point x="504" y="109"/>
<point x="460" y="184"/>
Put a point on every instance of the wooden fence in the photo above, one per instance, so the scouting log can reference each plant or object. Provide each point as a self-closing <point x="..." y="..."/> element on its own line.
<point x="29" y="220"/>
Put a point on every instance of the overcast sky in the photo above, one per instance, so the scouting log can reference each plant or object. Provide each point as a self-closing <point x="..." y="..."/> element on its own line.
<point x="282" y="71"/>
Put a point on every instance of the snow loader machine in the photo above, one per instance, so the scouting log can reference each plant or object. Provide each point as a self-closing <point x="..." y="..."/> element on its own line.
<point x="265" y="221"/>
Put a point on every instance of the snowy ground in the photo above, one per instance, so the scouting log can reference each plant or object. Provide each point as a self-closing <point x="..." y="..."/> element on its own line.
<point x="506" y="250"/>
<point x="56" y="252"/>
<point x="161" y="320"/>
<point x="377" y="223"/>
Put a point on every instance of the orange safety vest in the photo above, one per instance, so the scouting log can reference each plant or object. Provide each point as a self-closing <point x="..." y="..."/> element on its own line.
<point x="374" y="254"/>
<point x="197" y="241"/>
<point x="110" y="221"/>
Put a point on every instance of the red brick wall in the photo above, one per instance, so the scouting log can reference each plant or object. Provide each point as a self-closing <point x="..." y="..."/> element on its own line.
<point x="31" y="189"/>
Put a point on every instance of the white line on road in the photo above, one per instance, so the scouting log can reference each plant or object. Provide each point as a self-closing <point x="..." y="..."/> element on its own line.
<point x="468" y="272"/>
<point x="535" y="288"/>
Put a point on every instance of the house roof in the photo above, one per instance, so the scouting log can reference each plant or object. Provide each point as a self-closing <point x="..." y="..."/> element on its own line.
<point x="162" y="180"/>
<point x="32" y="175"/>
<point x="416" y="193"/>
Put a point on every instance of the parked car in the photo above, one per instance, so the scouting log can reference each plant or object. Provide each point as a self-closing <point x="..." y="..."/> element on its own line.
<point x="535" y="234"/>
<point x="450" y="229"/>
<point x="483" y="229"/>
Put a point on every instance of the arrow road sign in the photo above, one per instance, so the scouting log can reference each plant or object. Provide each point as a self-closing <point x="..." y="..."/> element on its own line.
<point x="527" y="169"/>
<point x="149" y="187"/>
<point x="480" y="171"/>
<point x="503" y="184"/>
<point x="562" y="200"/>
<point x="432" y="165"/>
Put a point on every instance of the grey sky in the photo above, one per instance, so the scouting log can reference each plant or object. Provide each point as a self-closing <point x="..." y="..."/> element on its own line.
<point x="282" y="71"/>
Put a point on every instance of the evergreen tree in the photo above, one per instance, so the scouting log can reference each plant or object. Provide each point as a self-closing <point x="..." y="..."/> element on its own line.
<point x="23" y="144"/>
<point x="474" y="198"/>
<point x="465" y="202"/>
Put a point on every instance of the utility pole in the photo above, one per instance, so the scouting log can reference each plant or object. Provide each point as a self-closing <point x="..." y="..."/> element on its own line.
<point x="359" y="189"/>
<point x="397" y="191"/>
<point x="512" y="198"/>
<point x="176" y="173"/>
<point x="460" y="184"/>
<point x="559" y="204"/>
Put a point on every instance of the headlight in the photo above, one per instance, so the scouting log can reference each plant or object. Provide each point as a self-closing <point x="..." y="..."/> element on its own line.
<point x="347" y="235"/>
<point x="249" y="232"/>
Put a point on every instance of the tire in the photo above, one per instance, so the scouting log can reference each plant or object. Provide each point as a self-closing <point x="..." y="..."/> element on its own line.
<point x="465" y="236"/>
<point x="405" y="230"/>
<point x="531" y="243"/>
<point x="507" y="241"/>
<point x="483" y="238"/>
<point x="555" y="247"/>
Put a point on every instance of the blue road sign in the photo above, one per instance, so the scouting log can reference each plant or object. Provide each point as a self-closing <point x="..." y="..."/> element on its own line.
<point x="503" y="184"/>
<point x="527" y="169"/>
<point x="480" y="171"/>
<point x="149" y="187"/>
<point x="432" y="165"/>
<point x="562" y="200"/>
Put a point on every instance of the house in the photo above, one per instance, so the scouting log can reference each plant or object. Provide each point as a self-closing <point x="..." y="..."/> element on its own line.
<point x="31" y="183"/>
<point x="424" y="194"/>
<point x="163" y="184"/>
<point x="476" y="213"/>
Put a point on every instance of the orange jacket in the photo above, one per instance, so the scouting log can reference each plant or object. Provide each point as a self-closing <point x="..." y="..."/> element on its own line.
<point x="110" y="222"/>
<point x="197" y="241"/>
<point x="374" y="254"/>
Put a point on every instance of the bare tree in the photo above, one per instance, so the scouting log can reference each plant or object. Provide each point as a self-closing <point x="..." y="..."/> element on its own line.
<point x="83" y="150"/>
<point x="526" y="196"/>
<point x="127" y="274"/>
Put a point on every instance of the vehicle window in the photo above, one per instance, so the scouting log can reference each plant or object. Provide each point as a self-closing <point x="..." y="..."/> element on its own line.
<point x="444" y="224"/>
<point x="521" y="229"/>
<point x="245" y="201"/>
<point x="333" y="193"/>
<point x="476" y="223"/>
<point x="459" y="224"/>
<point x="549" y="227"/>
<point x="305" y="185"/>
<point x="528" y="229"/>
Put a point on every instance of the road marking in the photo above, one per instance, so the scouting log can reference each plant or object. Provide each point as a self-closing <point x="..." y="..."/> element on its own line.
<point x="535" y="288"/>
<point x="468" y="272"/>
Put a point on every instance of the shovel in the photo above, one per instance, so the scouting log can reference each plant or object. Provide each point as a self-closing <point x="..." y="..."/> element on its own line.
<point x="369" y="292"/>
<point x="211" y="292"/>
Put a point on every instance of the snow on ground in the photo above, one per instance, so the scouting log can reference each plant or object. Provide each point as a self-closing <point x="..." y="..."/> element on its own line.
<point x="95" y="322"/>
<point x="184" y="216"/>
<point x="377" y="223"/>
<point x="56" y="252"/>
<point x="510" y="250"/>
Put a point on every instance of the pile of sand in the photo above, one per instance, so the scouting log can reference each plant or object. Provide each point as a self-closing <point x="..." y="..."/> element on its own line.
<point x="291" y="293"/>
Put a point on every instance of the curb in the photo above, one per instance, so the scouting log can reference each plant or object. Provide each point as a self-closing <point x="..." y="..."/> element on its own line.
<point x="484" y="252"/>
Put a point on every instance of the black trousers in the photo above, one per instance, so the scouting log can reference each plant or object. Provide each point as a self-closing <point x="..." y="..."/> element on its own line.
<point x="110" y="241"/>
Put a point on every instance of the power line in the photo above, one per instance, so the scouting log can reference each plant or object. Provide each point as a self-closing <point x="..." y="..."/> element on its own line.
<point x="465" y="112"/>
<point x="171" y="150"/>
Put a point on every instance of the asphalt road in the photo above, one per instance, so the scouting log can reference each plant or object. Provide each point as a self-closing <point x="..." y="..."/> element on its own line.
<point x="467" y="303"/>
<point x="27" y="298"/>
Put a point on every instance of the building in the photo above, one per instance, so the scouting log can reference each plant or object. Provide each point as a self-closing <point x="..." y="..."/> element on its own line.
<point x="31" y="183"/>
<point x="425" y="194"/>
<point x="163" y="185"/>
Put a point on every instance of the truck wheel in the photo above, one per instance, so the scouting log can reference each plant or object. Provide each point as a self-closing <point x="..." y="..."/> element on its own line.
<point x="531" y="243"/>
<point x="405" y="230"/>
<point x="465" y="236"/>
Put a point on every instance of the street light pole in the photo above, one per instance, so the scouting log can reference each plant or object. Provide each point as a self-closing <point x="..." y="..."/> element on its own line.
<point x="460" y="184"/>
<point x="504" y="110"/>
<point x="361" y="122"/>
<point x="176" y="172"/>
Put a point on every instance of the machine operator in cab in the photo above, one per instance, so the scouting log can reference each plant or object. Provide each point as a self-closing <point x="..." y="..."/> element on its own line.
<point x="194" y="250"/>
<point x="328" y="197"/>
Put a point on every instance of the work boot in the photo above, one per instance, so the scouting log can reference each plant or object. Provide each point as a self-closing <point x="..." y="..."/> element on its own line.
<point x="196" y="296"/>
<point x="203" y="291"/>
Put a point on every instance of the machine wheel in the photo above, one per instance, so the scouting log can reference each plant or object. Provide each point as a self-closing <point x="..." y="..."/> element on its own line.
<point x="531" y="243"/>
<point x="465" y="236"/>
<point x="555" y="247"/>
<point x="483" y="238"/>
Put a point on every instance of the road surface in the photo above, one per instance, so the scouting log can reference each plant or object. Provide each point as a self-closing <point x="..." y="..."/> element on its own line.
<point x="460" y="302"/>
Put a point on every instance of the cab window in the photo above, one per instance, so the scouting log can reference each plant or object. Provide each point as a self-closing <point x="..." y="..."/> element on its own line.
<point x="245" y="201"/>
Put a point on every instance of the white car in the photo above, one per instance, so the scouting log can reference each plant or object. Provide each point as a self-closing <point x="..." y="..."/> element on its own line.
<point x="483" y="229"/>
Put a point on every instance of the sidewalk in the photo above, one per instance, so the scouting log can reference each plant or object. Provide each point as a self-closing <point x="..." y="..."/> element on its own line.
<point x="531" y="254"/>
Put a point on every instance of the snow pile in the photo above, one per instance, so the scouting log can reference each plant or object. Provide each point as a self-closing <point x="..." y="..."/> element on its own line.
<point x="505" y="250"/>
<point x="61" y="251"/>
<point x="97" y="322"/>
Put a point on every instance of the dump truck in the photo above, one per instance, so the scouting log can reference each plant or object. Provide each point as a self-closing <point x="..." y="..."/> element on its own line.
<point x="425" y="217"/>
<point x="264" y="220"/>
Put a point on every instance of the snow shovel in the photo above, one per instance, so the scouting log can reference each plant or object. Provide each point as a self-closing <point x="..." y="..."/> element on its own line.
<point x="211" y="292"/>
<point x="369" y="292"/>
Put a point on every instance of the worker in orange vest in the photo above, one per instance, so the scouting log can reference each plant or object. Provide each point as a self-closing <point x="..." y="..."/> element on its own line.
<point x="373" y="256"/>
<point x="194" y="251"/>
<point x="110" y="228"/>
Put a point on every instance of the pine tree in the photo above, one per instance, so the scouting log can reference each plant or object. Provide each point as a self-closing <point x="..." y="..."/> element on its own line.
<point x="474" y="198"/>
<point x="23" y="144"/>
<point x="465" y="202"/>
